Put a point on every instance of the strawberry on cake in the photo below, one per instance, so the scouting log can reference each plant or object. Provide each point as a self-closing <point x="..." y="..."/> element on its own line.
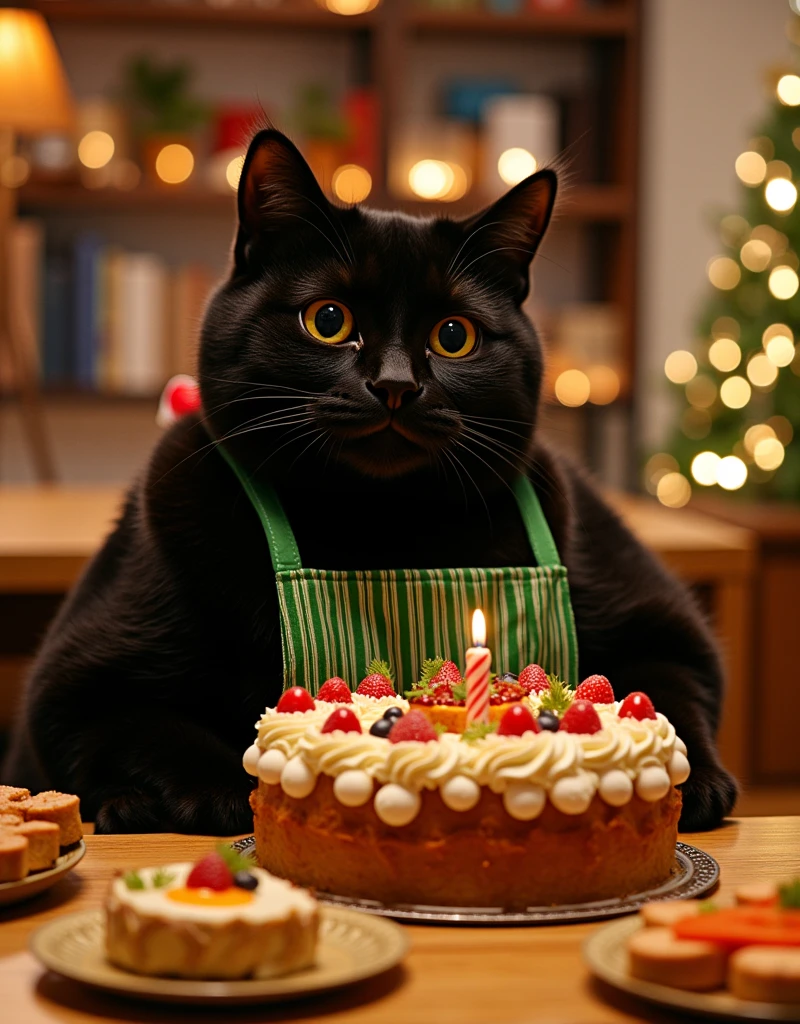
<point x="561" y="797"/>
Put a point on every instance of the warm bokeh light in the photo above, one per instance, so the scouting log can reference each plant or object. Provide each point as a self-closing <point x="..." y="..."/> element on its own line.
<point x="782" y="427"/>
<point x="125" y="175"/>
<point x="775" y="331"/>
<point x="731" y="473"/>
<point x="701" y="392"/>
<point x="724" y="273"/>
<point x="515" y="164"/>
<point x="776" y="240"/>
<point x="572" y="388"/>
<point x="724" y="354"/>
<point x="756" y="433"/>
<point x="755" y="255"/>
<point x="15" y="171"/>
<point x="734" y="230"/>
<point x="658" y="465"/>
<point x="726" y="327"/>
<point x="783" y="282"/>
<point x="351" y="183"/>
<point x="174" y="163"/>
<point x="351" y="6"/>
<point x="788" y="90"/>
<point x="95" y="149"/>
<point x="780" y="194"/>
<point x="234" y="171"/>
<point x="604" y="384"/>
<point x="768" y="453"/>
<point x="680" y="366"/>
<point x="437" y="179"/>
<point x="673" y="490"/>
<point x="751" y="168"/>
<point x="735" y="392"/>
<point x="780" y="350"/>
<point x="762" y="371"/>
<point x="704" y="468"/>
<point x="778" y="169"/>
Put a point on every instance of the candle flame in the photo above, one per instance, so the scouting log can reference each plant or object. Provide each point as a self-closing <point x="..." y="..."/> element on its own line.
<point x="478" y="628"/>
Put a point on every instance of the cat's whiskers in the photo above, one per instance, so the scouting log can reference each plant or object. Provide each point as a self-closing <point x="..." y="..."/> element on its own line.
<point x="489" y="466"/>
<point x="471" y="478"/>
<point x="452" y="267"/>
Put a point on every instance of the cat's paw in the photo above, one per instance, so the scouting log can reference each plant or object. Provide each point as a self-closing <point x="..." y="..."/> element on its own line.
<point x="127" y="812"/>
<point x="220" y="812"/>
<point x="709" y="795"/>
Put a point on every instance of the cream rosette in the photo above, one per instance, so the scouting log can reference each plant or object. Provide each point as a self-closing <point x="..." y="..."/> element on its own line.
<point x="542" y="758"/>
<point x="416" y="766"/>
<point x="281" y="731"/>
<point x="332" y="753"/>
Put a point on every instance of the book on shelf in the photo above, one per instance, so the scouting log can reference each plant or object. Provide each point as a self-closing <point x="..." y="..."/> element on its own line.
<point x="102" y="319"/>
<point x="25" y="243"/>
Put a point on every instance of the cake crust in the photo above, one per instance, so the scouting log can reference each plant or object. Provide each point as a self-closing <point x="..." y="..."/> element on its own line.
<point x="477" y="858"/>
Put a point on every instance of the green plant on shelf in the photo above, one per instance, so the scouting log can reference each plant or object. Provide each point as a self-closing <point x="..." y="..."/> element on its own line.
<point x="316" y="117"/>
<point x="159" y="97"/>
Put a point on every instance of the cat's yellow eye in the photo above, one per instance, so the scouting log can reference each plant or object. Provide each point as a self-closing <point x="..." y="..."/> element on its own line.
<point x="454" y="337"/>
<point x="328" y="321"/>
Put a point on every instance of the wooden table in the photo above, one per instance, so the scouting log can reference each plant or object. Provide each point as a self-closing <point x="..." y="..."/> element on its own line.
<point x="451" y="975"/>
<point x="47" y="534"/>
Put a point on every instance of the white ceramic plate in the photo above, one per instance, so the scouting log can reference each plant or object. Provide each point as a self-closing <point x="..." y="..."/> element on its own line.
<point x="606" y="954"/>
<point x="38" y="881"/>
<point x="351" y="947"/>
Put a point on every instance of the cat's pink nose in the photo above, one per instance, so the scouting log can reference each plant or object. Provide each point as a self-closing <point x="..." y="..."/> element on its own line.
<point x="394" y="393"/>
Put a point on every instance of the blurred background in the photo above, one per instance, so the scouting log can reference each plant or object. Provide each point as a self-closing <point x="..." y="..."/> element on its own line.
<point x="666" y="291"/>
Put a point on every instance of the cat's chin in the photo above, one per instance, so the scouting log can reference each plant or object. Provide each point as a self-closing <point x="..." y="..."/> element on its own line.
<point x="383" y="455"/>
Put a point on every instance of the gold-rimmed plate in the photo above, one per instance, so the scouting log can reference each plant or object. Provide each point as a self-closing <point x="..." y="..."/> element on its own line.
<point x="607" y="956"/>
<point x="352" y="947"/>
<point x="39" y="881"/>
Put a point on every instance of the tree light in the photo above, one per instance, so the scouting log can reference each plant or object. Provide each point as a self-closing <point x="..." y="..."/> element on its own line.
<point x="658" y="465"/>
<point x="726" y="327"/>
<point x="572" y="388"/>
<point x="673" y="490"/>
<point x="782" y="427"/>
<point x="751" y="168"/>
<point x="234" y="171"/>
<point x="768" y="453"/>
<point x="731" y="473"/>
<point x="735" y="392"/>
<point x="762" y="371"/>
<point x="704" y="468"/>
<point x="351" y="6"/>
<point x="783" y="282"/>
<point x="756" y="433"/>
<point x="755" y="255"/>
<point x="788" y="90"/>
<point x="515" y="164"/>
<point x="780" y="194"/>
<point x="724" y="355"/>
<point x="724" y="273"/>
<point x="604" y="384"/>
<point x="701" y="392"/>
<point x="680" y="366"/>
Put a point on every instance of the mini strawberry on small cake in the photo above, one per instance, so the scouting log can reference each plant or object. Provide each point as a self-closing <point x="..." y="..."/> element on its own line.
<point x="222" y="917"/>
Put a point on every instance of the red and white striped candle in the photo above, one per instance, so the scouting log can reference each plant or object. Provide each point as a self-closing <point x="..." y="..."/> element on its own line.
<point x="479" y="662"/>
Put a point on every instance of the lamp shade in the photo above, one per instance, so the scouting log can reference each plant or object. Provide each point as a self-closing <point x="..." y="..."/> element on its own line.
<point x="34" y="95"/>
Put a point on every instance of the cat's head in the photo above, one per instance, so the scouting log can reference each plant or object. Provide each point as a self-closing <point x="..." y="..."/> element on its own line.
<point x="369" y="342"/>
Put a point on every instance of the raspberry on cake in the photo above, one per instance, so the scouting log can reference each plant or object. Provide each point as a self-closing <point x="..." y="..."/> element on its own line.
<point x="401" y="813"/>
<point x="220" y="918"/>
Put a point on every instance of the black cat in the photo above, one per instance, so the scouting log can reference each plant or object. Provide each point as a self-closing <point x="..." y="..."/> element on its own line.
<point x="391" y="420"/>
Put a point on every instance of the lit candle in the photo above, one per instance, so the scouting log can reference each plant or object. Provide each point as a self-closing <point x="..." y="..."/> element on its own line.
<point x="479" y="661"/>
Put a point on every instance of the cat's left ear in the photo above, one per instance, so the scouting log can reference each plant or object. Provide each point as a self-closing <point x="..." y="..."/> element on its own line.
<point x="510" y="230"/>
<point x="277" y="190"/>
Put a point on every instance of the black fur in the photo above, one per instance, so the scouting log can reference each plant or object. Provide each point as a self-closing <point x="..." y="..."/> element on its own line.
<point x="146" y="690"/>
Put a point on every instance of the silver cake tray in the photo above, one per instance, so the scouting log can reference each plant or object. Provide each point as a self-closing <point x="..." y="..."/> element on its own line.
<point x="693" y="873"/>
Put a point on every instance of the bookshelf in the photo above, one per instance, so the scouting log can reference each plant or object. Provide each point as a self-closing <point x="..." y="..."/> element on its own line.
<point x="598" y="210"/>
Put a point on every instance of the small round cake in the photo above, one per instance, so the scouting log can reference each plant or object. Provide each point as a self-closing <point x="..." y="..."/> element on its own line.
<point x="205" y="921"/>
<point x="563" y="800"/>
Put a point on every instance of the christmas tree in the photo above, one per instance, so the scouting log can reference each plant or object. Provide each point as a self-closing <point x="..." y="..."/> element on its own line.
<point x="739" y="421"/>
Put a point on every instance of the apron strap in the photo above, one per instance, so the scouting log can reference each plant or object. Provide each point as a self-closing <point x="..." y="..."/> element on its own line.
<point x="539" y="535"/>
<point x="282" y="545"/>
<point x="286" y="555"/>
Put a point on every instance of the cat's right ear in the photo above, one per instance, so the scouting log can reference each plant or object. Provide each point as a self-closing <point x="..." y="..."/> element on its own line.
<point x="276" y="188"/>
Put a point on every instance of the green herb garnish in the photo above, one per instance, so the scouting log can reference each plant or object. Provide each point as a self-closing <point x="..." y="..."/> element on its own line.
<point x="380" y="668"/>
<point x="789" y="895"/>
<point x="133" y="880"/>
<point x="478" y="731"/>
<point x="707" y="907"/>
<point x="439" y="729"/>
<point x="235" y="861"/>
<point x="559" y="697"/>
<point x="459" y="691"/>
<point x="429" y="669"/>
<point x="161" y="878"/>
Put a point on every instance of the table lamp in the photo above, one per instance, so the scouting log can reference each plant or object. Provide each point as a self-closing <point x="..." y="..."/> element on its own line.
<point x="34" y="97"/>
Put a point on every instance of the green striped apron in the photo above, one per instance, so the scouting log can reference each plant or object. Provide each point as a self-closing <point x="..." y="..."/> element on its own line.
<point x="334" y="622"/>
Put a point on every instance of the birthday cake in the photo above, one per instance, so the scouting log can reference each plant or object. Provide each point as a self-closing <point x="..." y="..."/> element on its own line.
<point x="213" y="919"/>
<point x="561" y="796"/>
